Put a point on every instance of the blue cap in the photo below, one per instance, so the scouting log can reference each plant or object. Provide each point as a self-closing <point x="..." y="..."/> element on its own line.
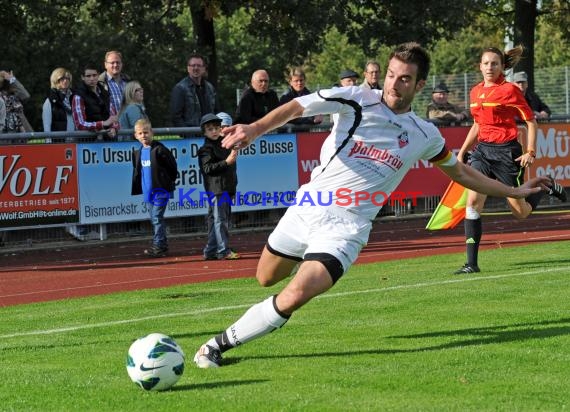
<point x="226" y="119"/>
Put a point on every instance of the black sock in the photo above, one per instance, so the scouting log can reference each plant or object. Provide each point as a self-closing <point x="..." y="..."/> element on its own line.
<point x="534" y="199"/>
<point x="473" y="232"/>
<point x="223" y="342"/>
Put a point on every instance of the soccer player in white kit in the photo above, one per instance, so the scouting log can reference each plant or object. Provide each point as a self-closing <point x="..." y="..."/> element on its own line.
<point x="375" y="141"/>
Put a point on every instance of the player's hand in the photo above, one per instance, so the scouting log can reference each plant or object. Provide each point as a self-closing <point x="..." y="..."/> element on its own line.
<point x="238" y="136"/>
<point x="534" y="185"/>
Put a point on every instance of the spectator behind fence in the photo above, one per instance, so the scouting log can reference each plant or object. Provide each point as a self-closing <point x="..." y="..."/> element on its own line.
<point x="154" y="176"/>
<point x="441" y="109"/>
<point x="296" y="79"/>
<point x="218" y="167"/>
<point x="132" y="108"/>
<point x="113" y="79"/>
<point x="92" y="111"/>
<point x="226" y="120"/>
<point x="193" y="96"/>
<point x="371" y="76"/>
<point x="91" y="105"/>
<point x="56" y="111"/>
<point x="540" y="109"/>
<point x="257" y="100"/>
<point x="15" y="95"/>
<point x="348" y="78"/>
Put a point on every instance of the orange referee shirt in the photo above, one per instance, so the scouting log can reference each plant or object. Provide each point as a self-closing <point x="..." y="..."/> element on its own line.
<point x="495" y="108"/>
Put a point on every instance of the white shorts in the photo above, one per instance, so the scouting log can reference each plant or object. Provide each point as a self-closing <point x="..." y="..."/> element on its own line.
<point x="321" y="229"/>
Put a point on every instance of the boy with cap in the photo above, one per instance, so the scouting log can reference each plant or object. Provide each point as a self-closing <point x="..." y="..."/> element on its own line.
<point x="218" y="167"/>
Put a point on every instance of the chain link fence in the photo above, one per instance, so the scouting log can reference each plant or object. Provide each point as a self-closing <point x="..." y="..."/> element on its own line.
<point x="551" y="84"/>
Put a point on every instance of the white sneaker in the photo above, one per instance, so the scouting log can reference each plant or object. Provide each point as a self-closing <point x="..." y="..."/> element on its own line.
<point x="208" y="357"/>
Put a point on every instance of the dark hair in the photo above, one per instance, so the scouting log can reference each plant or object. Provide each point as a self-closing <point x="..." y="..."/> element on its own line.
<point x="413" y="53"/>
<point x="197" y="56"/>
<point x="90" y="66"/>
<point x="510" y="58"/>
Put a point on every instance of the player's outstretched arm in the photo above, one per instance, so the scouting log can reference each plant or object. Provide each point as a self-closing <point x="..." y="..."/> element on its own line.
<point x="472" y="179"/>
<point x="240" y="135"/>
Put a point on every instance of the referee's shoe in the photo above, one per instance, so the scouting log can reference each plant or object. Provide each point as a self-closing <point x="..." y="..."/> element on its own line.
<point x="557" y="190"/>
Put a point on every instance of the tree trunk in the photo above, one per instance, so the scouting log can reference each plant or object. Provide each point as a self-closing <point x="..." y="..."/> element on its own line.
<point x="525" y="22"/>
<point x="203" y="30"/>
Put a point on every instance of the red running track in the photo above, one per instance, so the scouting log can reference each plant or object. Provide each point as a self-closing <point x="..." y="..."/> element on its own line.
<point x="83" y="269"/>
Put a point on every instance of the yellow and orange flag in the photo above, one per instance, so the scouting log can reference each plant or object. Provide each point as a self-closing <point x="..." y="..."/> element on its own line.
<point x="451" y="208"/>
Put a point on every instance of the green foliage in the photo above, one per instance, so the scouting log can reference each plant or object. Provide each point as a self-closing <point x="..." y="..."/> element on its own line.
<point x="399" y="336"/>
<point x="557" y="14"/>
<point x="461" y="53"/>
<point x="375" y="22"/>
<point x="549" y="51"/>
<point x="325" y="36"/>
<point x="338" y="54"/>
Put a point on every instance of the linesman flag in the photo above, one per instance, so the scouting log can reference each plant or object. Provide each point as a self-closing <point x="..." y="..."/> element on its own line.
<point x="451" y="208"/>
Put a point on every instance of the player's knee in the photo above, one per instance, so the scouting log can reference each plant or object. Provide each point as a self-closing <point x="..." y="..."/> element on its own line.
<point x="522" y="211"/>
<point x="520" y="215"/>
<point x="264" y="279"/>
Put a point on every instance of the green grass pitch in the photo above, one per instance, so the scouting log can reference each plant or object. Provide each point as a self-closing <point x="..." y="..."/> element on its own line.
<point x="392" y="336"/>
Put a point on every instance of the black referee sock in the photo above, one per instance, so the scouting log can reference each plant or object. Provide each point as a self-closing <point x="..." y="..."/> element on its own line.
<point x="473" y="232"/>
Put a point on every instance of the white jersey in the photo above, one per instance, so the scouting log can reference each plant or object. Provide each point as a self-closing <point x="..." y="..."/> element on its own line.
<point x="368" y="152"/>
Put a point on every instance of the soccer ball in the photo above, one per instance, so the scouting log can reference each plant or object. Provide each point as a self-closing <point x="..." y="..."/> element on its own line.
<point x="155" y="362"/>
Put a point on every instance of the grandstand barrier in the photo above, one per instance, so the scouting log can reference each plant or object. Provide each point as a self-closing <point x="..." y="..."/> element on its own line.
<point x="50" y="182"/>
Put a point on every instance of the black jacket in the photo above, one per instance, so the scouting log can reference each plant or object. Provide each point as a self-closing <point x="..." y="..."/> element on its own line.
<point x="253" y="105"/>
<point x="96" y="105"/>
<point x="164" y="169"/>
<point x="536" y="103"/>
<point x="219" y="177"/>
<point x="290" y="95"/>
<point x="58" y="110"/>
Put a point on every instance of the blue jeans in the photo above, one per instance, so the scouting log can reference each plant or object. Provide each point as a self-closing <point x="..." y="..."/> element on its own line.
<point x="219" y="213"/>
<point x="158" y="224"/>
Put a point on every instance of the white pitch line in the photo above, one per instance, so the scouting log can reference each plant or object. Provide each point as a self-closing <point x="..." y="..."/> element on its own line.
<point x="327" y="295"/>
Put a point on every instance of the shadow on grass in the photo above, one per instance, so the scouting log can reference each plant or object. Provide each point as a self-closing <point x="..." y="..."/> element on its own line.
<point x="215" y="385"/>
<point x="495" y="334"/>
<point x="474" y="337"/>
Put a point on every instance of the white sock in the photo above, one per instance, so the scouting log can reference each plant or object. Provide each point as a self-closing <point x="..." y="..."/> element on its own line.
<point x="259" y="320"/>
<point x="471" y="213"/>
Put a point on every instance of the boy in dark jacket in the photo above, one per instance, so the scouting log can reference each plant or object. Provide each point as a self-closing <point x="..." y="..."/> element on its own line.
<point x="154" y="175"/>
<point x="218" y="166"/>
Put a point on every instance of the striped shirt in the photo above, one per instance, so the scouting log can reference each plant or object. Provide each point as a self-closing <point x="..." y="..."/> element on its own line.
<point x="116" y="91"/>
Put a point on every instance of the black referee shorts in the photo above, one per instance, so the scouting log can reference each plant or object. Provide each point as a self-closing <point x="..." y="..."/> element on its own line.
<point x="497" y="161"/>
